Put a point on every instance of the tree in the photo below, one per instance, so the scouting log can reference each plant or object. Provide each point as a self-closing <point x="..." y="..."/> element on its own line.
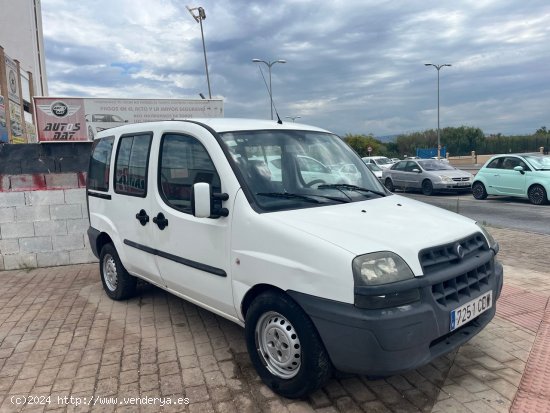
<point x="361" y="143"/>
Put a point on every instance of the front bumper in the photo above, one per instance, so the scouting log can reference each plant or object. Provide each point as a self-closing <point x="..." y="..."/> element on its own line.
<point x="392" y="340"/>
<point x="454" y="186"/>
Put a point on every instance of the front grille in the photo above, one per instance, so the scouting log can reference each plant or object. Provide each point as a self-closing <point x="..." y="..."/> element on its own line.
<point x="439" y="258"/>
<point x="461" y="179"/>
<point x="444" y="259"/>
<point x="463" y="288"/>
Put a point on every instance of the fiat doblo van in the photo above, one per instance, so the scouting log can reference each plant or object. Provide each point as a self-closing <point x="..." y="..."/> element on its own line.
<point x="253" y="221"/>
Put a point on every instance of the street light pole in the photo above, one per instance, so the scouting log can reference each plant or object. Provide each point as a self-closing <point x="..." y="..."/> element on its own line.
<point x="199" y="17"/>
<point x="438" y="67"/>
<point x="269" y="64"/>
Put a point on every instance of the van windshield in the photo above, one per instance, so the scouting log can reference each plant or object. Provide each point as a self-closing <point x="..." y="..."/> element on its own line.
<point x="289" y="169"/>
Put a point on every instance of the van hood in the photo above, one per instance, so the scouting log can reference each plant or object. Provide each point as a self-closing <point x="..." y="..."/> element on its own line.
<point x="392" y="223"/>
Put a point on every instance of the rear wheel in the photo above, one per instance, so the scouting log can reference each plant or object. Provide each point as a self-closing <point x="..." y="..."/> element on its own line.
<point x="479" y="191"/>
<point x="117" y="282"/>
<point x="284" y="346"/>
<point x="427" y="187"/>
<point x="389" y="185"/>
<point x="537" y="195"/>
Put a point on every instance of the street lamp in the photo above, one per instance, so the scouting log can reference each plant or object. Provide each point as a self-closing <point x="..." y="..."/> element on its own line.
<point x="293" y="118"/>
<point x="199" y="17"/>
<point x="438" y="67"/>
<point x="269" y="64"/>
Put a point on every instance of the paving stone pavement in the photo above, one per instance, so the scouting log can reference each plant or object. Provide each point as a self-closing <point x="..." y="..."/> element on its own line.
<point x="62" y="337"/>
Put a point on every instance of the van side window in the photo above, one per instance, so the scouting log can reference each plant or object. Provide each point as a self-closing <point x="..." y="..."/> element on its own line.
<point x="184" y="162"/>
<point x="131" y="165"/>
<point x="100" y="163"/>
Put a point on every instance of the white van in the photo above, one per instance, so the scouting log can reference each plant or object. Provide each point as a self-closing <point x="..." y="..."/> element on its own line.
<point x="321" y="275"/>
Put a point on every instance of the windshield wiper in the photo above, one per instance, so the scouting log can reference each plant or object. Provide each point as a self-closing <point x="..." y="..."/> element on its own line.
<point x="307" y="198"/>
<point x="350" y="187"/>
<point x="288" y="195"/>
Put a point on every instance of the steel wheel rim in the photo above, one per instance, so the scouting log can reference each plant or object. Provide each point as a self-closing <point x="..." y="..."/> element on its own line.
<point x="278" y="345"/>
<point x="110" y="274"/>
<point x="536" y="195"/>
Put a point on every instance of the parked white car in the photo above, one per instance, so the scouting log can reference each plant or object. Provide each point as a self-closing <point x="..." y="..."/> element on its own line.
<point x="311" y="171"/>
<point x="376" y="170"/>
<point x="321" y="276"/>
<point x="380" y="161"/>
<point x="102" y="121"/>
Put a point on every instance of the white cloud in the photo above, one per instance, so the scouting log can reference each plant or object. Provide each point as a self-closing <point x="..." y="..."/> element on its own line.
<point x="353" y="66"/>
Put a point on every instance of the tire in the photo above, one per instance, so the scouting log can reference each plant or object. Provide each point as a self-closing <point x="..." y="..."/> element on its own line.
<point x="117" y="283"/>
<point x="389" y="185"/>
<point x="427" y="187"/>
<point x="537" y="195"/>
<point x="285" y="347"/>
<point x="479" y="191"/>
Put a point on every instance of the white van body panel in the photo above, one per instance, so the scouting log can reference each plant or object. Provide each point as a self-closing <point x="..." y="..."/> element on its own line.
<point x="407" y="227"/>
<point x="270" y="251"/>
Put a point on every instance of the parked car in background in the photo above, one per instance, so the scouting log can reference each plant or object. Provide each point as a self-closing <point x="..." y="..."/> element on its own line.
<point x="520" y="175"/>
<point x="351" y="173"/>
<point x="376" y="170"/>
<point x="99" y="122"/>
<point x="395" y="160"/>
<point x="427" y="175"/>
<point x="380" y="161"/>
<point x="312" y="171"/>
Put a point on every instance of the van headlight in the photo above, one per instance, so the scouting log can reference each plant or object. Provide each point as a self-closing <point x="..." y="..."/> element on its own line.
<point x="380" y="268"/>
<point x="490" y="240"/>
<point x="374" y="275"/>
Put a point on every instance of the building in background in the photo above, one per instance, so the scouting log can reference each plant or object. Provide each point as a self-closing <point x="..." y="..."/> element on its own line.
<point x="22" y="68"/>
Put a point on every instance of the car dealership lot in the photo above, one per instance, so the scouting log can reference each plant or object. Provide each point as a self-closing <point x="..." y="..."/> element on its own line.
<point x="60" y="336"/>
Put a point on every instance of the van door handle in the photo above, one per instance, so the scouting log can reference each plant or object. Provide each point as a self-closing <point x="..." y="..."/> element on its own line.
<point x="161" y="221"/>
<point x="142" y="217"/>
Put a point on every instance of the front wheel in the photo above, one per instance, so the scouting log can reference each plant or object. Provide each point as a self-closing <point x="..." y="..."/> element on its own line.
<point x="479" y="191"/>
<point x="389" y="185"/>
<point x="285" y="347"/>
<point x="427" y="187"/>
<point x="537" y="195"/>
<point x="117" y="282"/>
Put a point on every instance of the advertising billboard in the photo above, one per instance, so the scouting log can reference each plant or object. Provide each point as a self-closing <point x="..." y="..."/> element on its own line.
<point x="17" y="132"/>
<point x="80" y="119"/>
<point x="4" y="138"/>
<point x="13" y="80"/>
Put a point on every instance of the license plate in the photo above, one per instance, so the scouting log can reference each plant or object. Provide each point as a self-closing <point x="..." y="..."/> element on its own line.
<point x="463" y="314"/>
<point x="463" y="183"/>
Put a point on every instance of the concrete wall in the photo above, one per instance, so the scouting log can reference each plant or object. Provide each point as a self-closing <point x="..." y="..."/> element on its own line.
<point x="44" y="228"/>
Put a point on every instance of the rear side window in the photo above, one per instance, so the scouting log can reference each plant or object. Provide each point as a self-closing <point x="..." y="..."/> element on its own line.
<point x="184" y="162"/>
<point x="495" y="163"/>
<point x="131" y="165"/>
<point x="100" y="163"/>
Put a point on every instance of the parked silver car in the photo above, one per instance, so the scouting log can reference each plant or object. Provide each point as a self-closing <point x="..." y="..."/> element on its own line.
<point x="427" y="175"/>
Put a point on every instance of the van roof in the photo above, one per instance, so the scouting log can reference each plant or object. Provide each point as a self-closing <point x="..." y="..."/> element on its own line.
<point x="217" y="124"/>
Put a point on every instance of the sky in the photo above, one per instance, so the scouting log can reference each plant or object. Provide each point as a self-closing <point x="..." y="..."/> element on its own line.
<point x="354" y="66"/>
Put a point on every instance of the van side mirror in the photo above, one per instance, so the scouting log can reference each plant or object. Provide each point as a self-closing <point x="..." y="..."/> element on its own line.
<point x="416" y="170"/>
<point x="201" y="203"/>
